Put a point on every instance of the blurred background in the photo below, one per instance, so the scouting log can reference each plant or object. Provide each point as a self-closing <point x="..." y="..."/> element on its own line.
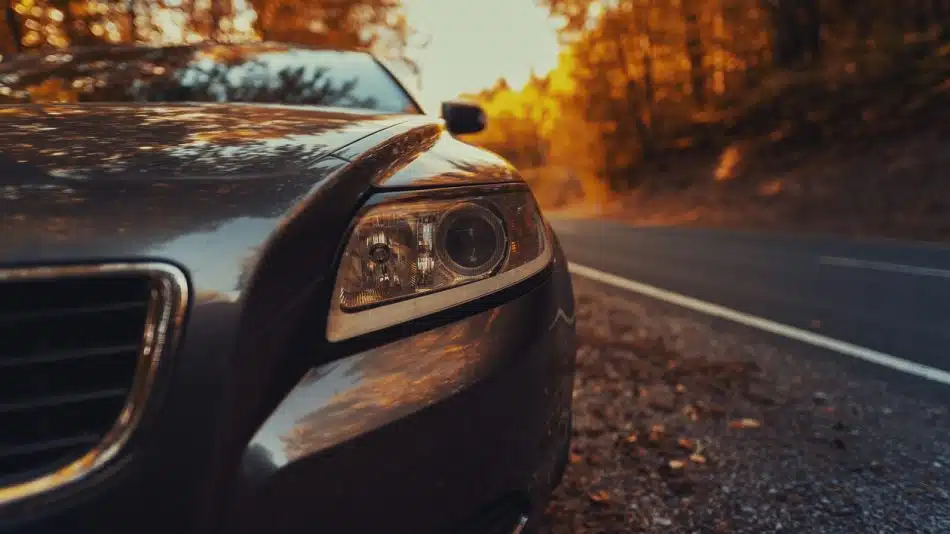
<point x="764" y="113"/>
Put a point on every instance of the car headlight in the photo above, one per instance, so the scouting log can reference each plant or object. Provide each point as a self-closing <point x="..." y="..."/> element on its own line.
<point x="414" y="255"/>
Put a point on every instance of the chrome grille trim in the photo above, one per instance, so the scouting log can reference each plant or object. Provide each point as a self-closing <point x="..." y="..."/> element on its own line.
<point x="167" y="306"/>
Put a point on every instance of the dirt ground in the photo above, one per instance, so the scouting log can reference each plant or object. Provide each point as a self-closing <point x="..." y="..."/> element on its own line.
<point x="684" y="426"/>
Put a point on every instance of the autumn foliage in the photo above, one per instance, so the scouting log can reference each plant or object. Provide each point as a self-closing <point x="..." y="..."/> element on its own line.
<point x="644" y="87"/>
<point x="379" y="25"/>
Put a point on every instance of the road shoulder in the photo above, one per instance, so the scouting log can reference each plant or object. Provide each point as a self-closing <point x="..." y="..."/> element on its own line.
<point x="684" y="425"/>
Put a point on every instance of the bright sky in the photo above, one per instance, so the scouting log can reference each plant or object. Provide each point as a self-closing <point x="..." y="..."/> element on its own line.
<point x="475" y="42"/>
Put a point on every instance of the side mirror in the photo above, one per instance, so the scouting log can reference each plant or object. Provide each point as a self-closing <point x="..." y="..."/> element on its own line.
<point x="463" y="117"/>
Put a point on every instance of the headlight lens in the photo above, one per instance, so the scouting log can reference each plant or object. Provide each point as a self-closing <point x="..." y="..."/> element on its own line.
<point x="409" y="258"/>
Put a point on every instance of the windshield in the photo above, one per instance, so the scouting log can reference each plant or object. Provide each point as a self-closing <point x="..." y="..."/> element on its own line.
<point x="258" y="73"/>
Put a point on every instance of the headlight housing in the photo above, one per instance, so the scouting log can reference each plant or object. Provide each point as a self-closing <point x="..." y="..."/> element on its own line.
<point x="411" y="255"/>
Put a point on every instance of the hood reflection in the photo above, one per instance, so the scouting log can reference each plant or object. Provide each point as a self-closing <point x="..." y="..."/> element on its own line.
<point x="171" y="141"/>
<point x="169" y="181"/>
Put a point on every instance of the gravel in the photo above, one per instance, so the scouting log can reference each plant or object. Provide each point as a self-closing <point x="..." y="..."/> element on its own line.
<point x="683" y="426"/>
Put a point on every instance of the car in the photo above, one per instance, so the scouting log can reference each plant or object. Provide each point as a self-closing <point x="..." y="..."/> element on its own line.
<point x="257" y="288"/>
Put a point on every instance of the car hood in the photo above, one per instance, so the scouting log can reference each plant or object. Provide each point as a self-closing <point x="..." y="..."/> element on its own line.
<point x="64" y="144"/>
<point x="204" y="186"/>
<point x="220" y="190"/>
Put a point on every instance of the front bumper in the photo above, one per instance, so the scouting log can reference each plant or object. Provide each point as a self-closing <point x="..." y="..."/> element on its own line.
<point x="425" y="434"/>
<point x="430" y="433"/>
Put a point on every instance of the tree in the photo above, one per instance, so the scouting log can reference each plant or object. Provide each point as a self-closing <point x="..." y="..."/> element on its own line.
<point x="10" y="34"/>
<point x="379" y="25"/>
<point x="694" y="51"/>
<point x="370" y="24"/>
<point x="514" y="129"/>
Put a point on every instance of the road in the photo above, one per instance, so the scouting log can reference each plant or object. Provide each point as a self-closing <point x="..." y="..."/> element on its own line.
<point x="830" y="448"/>
<point x="892" y="298"/>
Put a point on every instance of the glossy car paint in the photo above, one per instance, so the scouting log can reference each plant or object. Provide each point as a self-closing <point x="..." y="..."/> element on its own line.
<point x="473" y="410"/>
<point x="421" y="154"/>
<point x="253" y="202"/>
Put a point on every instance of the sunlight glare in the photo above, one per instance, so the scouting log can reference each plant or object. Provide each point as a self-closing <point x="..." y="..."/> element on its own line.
<point x="472" y="44"/>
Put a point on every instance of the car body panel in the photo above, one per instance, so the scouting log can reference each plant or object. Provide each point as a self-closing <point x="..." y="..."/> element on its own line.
<point x="420" y="153"/>
<point x="159" y="142"/>
<point x="476" y="409"/>
<point x="253" y="202"/>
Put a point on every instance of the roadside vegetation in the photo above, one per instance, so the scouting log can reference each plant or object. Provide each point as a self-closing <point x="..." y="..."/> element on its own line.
<point x="779" y="114"/>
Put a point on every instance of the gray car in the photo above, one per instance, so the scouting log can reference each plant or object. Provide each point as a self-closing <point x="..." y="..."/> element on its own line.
<point x="253" y="288"/>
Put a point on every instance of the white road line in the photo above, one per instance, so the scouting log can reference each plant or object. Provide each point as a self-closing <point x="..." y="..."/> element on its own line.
<point x="883" y="266"/>
<point x="804" y="336"/>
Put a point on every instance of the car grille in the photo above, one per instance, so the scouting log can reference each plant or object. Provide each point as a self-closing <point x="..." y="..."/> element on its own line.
<point x="78" y="348"/>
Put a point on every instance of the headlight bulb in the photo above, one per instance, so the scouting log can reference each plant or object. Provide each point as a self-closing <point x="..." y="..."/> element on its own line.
<point x="471" y="239"/>
<point x="402" y="250"/>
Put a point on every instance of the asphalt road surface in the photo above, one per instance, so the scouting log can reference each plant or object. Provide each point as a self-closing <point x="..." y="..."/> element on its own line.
<point x="884" y="302"/>
<point x="848" y="344"/>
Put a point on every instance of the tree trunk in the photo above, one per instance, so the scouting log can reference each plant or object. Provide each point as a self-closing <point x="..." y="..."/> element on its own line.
<point x="941" y="17"/>
<point x="810" y="16"/>
<point x="645" y="121"/>
<point x="133" y="23"/>
<point x="12" y="25"/>
<point x="796" y="26"/>
<point x="633" y="98"/>
<point x="215" y="15"/>
<point x="641" y="23"/>
<point x="640" y="118"/>
<point x="719" y="52"/>
<point x="694" y="52"/>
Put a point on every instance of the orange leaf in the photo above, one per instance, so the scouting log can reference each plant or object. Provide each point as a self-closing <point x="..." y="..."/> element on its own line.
<point x="745" y="423"/>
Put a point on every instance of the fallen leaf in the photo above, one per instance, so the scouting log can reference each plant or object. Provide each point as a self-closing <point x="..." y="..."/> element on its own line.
<point x="600" y="496"/>
<point x="677" y="464"/>
<point x="632" y="438"/>
<point x="745" y="423"/>
<point x="697" y="458"/>
<point x="691" y="412"/>
<point x="687" y="444"/>
<point x="576" y="458"/>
